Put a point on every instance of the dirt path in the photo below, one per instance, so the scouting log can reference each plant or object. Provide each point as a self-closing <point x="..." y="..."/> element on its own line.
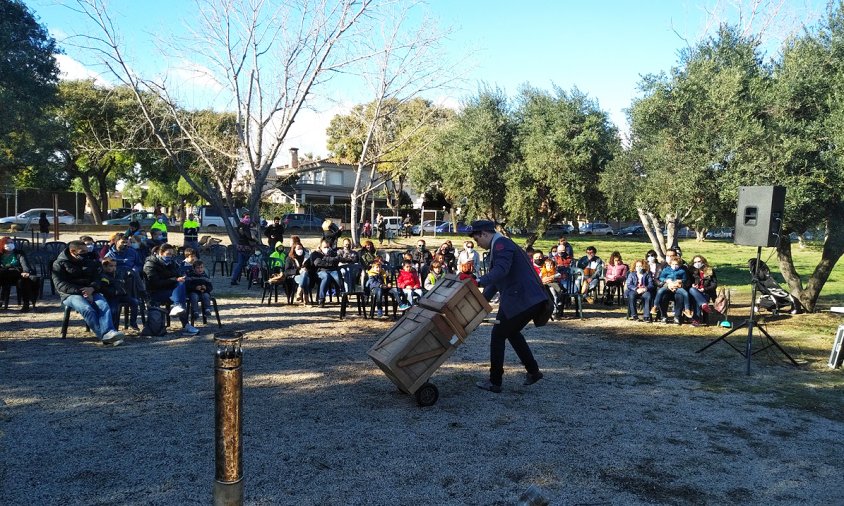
<point x="620" y="418"/>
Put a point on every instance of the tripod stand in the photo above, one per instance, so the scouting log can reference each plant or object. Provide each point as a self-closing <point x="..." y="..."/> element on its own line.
<point x="750" y="323"/>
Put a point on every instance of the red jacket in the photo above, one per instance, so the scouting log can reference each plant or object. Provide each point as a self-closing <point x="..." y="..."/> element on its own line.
<point x="408" y="279"/>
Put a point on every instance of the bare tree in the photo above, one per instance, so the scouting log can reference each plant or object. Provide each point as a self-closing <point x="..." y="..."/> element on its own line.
<point x="270" y="56"/>
<point x="407" y="63"/>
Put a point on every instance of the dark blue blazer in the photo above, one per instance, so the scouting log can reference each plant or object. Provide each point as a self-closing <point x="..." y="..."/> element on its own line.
<point x="633" y="281"/>
<point x="513" y="277"/>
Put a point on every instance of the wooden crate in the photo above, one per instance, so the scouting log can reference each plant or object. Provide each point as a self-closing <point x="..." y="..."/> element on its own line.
<point x="460" y="301"/>
<point x="415" y="347"/>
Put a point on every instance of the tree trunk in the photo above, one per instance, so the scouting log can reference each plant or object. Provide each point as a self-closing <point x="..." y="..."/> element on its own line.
<point x="90" y="197"/>
<point x="654" y="230"/>
<point x="832" y="251"/>
<point x="531" y="239"/>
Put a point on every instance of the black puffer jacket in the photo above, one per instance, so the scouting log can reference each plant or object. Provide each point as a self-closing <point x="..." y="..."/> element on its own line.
<point x="325" y="262"/>
<point x="161" y="276"/>
<point x="71" y="275"/>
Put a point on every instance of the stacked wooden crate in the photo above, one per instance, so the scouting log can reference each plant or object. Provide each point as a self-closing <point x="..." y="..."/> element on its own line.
<point x="427" y="334"/>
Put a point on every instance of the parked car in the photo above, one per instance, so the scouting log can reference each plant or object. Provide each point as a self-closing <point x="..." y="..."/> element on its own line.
<point x="558" y="229"/>
<point x="448" y="228"/>
<point x="596" y="229"/>
<point x="33" y="215"/>
<point x="145" y="218"/>
<point x="721" y="233"/>
<point x="300" y="222"/>
<point x="209" y="217"/>
<point x="117" y="213"/>
<point x="632" y="230"/>
<point x="428" y="226"/>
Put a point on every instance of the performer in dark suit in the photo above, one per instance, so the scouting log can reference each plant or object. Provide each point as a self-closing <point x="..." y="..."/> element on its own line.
<point x="522" y="298"/>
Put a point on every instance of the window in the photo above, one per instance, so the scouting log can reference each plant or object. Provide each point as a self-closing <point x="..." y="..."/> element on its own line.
<point x="334" y="177"/>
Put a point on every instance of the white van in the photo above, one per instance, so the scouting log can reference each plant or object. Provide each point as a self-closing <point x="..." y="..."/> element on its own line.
<point x="210" y="218"/>
<point x="394" y="223"/>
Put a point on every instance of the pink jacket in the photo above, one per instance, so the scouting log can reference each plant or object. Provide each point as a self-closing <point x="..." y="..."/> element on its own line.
<point x="615" y="272"/>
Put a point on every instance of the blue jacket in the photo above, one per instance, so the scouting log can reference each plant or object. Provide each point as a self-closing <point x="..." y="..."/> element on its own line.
<point x="669" y="274"/>
<point x="126" y="259"/>
<point x="633" y="281"/>
<point x="513" y="277"/>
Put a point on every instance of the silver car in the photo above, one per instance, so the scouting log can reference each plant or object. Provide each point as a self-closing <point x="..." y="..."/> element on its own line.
<point x="33" y="215"/>
<point x="596" y="229"/>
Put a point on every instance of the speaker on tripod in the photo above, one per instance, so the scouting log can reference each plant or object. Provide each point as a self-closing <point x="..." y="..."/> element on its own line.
<point x="759" y="215"/>
<point x="758" y="223"/>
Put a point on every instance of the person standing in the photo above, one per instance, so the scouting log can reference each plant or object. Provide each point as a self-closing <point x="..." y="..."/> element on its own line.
<point x="245" y="246"/>
<point x="44" y="226"/>
<point x="191" y="228"/>
<point x="275" y="233"/>
<point x="522" y="299"/>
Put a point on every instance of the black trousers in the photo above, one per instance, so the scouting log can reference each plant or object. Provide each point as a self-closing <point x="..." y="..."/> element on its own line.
<point x="511" y="329"/>
<point x="27" y="287"/>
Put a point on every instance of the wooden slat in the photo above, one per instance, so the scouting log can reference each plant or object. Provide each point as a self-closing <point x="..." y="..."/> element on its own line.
<point x="420" y="357"/>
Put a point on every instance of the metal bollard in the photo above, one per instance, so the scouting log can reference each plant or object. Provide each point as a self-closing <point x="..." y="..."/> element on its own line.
<point x="228" y="415"/>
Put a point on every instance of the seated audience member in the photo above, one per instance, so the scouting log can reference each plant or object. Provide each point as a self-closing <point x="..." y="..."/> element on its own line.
<point x="113" y="288"/>
<point x="156" y="239"/>
<point x="294" y="240"/>
<point x="538" y="261"/>
<point x="640" y="286"/>
<point x="703" y="289"/>
<point x="377" y="283"/>
<point x="199" y="287"/>
<point x="15" y="271"/>
<point x="592" y="267"/>
<point x="112" y="242"/>
<point x="326" y="262"/>
<point x="134" y="230"/>
<point x="91" y="252"/>
<point x="409" y="285"/>
<point x="449" y="261"/>
<point x="422" y="258"/>
<point x="469" y="254"/>
<point x="76" y="278"/>
<point x="189" y="258"/>
<point x="349" y="263"/>
<point x="166" y="282"/>
<point x="278" y="258"/>
<point x="567" y="247"/>
<point x="367" y="255"/>
<point x="551" y="280"/>
<point x="125" y="257"/>
<point x="615" y="275"/>
<point x="672" y="279"/>
<point x="467" y="271"/>
<point x="254" y="264"/>
<point x="435" y="274"/>
<point x="560" y="256"/>
<point x="297" y="267"/>
<point x="139" y="245"/>
<point x="651" y="262"/>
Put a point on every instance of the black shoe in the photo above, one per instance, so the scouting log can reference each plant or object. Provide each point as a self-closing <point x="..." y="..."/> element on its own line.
<point x="322" y="303"/>
<point x="489" y="386"/>
<point x="25" y="308"/>
<point x="235" y="283"/>
<point x="530" y="379"/>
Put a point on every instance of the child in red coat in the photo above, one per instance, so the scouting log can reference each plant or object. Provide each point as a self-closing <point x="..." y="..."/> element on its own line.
<point x="467" y="271"/>
<point x="409" y="284"/>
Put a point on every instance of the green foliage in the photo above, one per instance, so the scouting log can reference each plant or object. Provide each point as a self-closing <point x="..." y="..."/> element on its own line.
<point x="28" y="76"/>
<point x="564" y="143"/>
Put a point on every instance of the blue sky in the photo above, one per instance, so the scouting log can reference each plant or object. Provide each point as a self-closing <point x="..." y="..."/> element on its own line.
<point x="600" y="47"/>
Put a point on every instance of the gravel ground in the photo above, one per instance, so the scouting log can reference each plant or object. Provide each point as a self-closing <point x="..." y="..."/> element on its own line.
<point x="618" y="419"/>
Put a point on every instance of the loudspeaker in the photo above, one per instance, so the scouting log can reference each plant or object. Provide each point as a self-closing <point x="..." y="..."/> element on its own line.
<point x="759" y="215"/>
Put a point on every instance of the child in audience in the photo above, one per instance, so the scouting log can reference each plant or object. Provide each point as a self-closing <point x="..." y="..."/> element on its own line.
<point x="377" y="284"/>
<point x="113" y="289"/>
<point x="434" y="274"/>
<point x="615" y="275"/>
<point x="253" y="266"/>
<point x="199" y="287"/>
<point x="409" y="284"/>
<point x="467" y="269"/>
<point x="551" y="280"/>
<point x="640" y="286"/>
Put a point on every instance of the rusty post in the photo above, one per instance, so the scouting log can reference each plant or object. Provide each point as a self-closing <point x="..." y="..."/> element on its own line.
<point x="228" y="388"/>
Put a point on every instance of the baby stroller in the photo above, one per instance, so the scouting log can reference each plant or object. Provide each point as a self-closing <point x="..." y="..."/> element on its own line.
<point x="772" y="297"/>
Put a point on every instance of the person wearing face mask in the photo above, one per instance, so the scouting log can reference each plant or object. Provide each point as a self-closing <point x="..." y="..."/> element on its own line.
<point x="593" y="268"/>
<point x="672" y="280"/>
<point x="367" y="255"/>
<point x="128" y="262"/>
<point x="326" y="262"/>
<point x="297" y="268"/>
<point x="350" y="267"/>
<point x="538" y="260"/>
<point x="449" y="260"/>
<point x="469" y="254"/>
<point x="165" y="282"/>
<point x="640" y="286"/>
<point x="422" y="259"/>
<point x="651" y="262"/>
<point x="75" y="277"/>
<point x="160" y="225"/>
<point x="15" y="271"/>
<point x="275" y="233"/>
<point x="703" y="289"/>
<point x="90" y="248"/>
<point x="245" y="247"/>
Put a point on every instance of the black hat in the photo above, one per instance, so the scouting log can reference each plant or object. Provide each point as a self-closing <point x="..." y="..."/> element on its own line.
<point x="481" y="226"/>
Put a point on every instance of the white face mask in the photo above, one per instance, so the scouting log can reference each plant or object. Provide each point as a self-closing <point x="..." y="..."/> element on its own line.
<point x="90" y="247"/>
<point x="10" y="246"/>
<point x="698" y="265"/>
<point x="300" y="251"/>
<point x="325" y="251"/>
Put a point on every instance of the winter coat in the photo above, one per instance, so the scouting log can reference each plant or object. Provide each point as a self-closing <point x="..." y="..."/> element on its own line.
<point x="408" y="279"/>
<point x="615" y="272"/>
<point x="161" y="276"/>
<point x="294" y="264"/>
<point x="70" y="275"/>
<point x="633" y="281"/>
<point x="127" y="259"/>
<point x="112" y="286"/>
<point x="325" y="262"/>
<point x="192" y="280"/>
<point x="705" y="282"/>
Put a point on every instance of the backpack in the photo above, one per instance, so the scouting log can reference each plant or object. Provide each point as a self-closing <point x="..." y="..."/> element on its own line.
<point x="156" y="324"/>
